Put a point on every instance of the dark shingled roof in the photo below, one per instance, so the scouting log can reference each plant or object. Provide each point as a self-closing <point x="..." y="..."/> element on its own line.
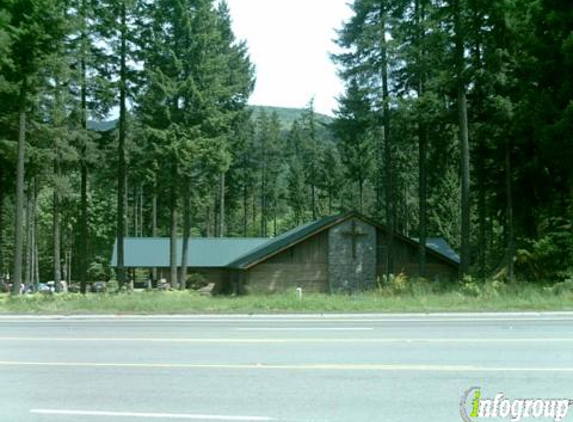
<point x="437" y="246"/>
<point x="440" y="245"/>
<point x="285" y="240"/>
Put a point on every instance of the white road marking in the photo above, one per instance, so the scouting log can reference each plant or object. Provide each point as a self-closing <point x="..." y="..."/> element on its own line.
<point x="287" y="340"/>
<point x="304" y="329"/>
<point x="305" y="367"/>
<point x="151" y="415"/>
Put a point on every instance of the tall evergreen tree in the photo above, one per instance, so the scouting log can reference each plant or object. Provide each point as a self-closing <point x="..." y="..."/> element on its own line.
<point x="353" y="128"/>
<point x="33" y="28"/>
<point x="311" y="155"/>
<point x="458" y="15"/>
<point x="368" y="58"/>
<point x="189" y="99"/>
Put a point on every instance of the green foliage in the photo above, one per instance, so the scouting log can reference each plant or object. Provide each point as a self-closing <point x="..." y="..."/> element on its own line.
<point x="470" y="287"/>
<point x="564" y="288"/>
<point x="112" y="286"/>
<point x="196" y="281"/>
<point x="393" y="284"/>
<point x="357" y="145"/>
<point x="549" y="257"/>
<point x="494" y="289"/>
<point x="99" y="269"/>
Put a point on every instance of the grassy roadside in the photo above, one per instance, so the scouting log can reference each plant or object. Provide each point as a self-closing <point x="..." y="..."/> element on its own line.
<point x="522" y="298"/>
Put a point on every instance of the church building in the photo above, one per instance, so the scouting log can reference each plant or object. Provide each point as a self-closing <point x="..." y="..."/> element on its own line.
<point x="343" y="253"/>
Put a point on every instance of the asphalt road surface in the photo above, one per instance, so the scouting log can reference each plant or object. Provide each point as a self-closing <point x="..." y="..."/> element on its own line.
<point x="336" y="368"/>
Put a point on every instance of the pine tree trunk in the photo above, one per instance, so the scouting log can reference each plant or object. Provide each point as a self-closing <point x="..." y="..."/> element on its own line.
<point x="29" y="242"/>
<point x="69" y="264"/>
<point x="31" y="261"/>
<point x="254" y="216"/>
<point x="264" y="193"/>
<point x="36" y="267"/>
<point x="313" y="162"/>
<point x="216" y="208"/>
<point x="482" y="218"/>
<point x="388" y="160"/>
<point x="464" y="140"/>
<point x="465" y="243"/>
<point x="83" y="250"/>
<point x="222" y="207"/>
<point x="173" y="237"/>
<point x="121" y="171"/>
<point x="275" y="223"/>
<point x="56" y="223"/>
<point x="245" y="211"/>
<point x="34" y="248"/>
<point x="481" y="175"/>
<point x="126" y="205"/>
<point x="65" y="268"/>
<point x="509" y="214"/>
<point x="154" y="222"/>
<point x="56" y="235"/>
<point x="406" y="212"/>
<point x="19" y="210"/>
<point x="141" y="221"/>
<point x="186" y="235"/>
<point x="135" y="212"/>
<point x="423" y="142"/>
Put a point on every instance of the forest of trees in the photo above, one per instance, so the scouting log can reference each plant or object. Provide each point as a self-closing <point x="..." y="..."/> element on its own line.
<point x="456" y="121"/>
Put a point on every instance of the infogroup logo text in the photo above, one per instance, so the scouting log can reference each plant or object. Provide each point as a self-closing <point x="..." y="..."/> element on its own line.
<point x="473" y="407"/>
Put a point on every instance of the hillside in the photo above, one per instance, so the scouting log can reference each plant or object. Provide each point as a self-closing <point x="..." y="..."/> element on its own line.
<point x="288" y="115"/>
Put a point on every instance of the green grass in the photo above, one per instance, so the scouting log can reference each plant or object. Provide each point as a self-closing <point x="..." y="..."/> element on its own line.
<point x="520" y="298"/>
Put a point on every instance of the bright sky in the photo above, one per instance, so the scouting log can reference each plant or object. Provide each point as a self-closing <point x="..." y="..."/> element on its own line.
<point x="289" y="43"/>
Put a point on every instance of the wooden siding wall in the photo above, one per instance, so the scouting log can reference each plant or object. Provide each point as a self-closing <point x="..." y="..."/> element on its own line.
<point x="304" y="265"/>
<point x="406" y="261"/>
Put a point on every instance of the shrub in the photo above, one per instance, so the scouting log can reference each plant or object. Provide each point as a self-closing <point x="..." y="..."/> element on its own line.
<point x="565" y="287"/>
<point x="470" y="287"/>
<point x="112" y="286"/>
<point x="196" y="281"/>
<point x="493" y="288"/>
<point x="99" y="269"/>
<point x="393" y="284"/>
<point x="422" y="287"/>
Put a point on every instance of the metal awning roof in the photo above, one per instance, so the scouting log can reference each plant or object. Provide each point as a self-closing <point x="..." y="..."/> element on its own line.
<point x="203" y="252"/>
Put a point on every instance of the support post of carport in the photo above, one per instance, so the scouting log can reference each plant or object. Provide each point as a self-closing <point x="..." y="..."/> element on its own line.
<point x="238" y="282"/>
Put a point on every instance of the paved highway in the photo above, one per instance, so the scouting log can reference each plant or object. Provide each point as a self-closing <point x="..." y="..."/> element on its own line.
<point x="305" y="368"/>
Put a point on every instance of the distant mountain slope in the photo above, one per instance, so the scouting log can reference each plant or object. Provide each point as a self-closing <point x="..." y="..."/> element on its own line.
<point x="103" y="126"/>
<point x="288" y="115"/>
